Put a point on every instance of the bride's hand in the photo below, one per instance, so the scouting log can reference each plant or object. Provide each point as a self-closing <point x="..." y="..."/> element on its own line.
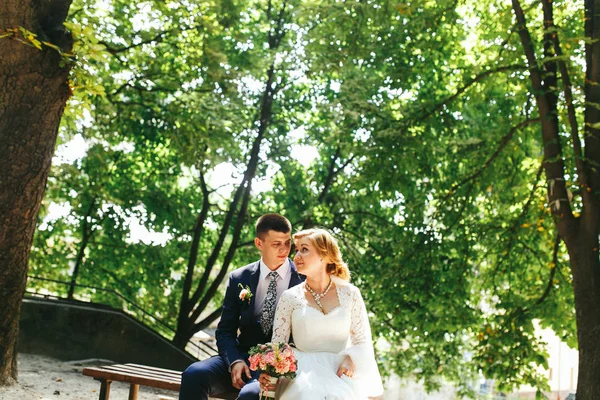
<point x="263" y="381"/>
<point x="346" y="367"/>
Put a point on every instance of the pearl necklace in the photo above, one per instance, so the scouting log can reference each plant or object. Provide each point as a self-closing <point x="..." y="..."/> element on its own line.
<point x="318" y="296"/>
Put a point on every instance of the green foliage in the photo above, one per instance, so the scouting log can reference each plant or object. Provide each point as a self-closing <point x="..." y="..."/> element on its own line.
<point x="428" y="167"/>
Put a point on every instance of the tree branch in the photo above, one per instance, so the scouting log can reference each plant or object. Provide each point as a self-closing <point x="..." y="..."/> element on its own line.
<point x="566" y="84"/>
<point x="86" y="235"/>
<point x="553" y="159"/>
<point x="193" y="257"/>
<point x="552" y="271"/>
<point x="157" y="38"/>
<point x="518" y="221"/>
<point x="501" y="147"/>
<point x="264" y="117"/>
<point x="208" y="320"/>
<point x="275" y="37"/>
<point x="550" y="82"/>
<point x="229" y="256"/>
<point x="218" y="245"/>
<point x="330" y="174"/>
<point x="245" y="244"/>
<point x="482" y="76"/>
<point x="592" y="99"/>
<point x="51" y="18"/>
<point x="367" y="213"/>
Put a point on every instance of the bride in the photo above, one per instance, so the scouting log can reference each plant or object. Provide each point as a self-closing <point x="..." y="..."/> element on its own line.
<point x="327" y="318"/>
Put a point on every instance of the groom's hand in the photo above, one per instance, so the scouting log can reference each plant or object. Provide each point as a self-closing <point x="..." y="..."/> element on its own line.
<point x="237" y="371"/>
<point x="346" y="367"/>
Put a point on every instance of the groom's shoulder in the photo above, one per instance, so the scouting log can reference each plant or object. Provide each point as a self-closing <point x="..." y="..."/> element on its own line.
<point x="244" y="271"/>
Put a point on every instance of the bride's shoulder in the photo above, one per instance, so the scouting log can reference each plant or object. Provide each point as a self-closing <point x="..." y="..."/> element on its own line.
<point x="292" y="293"/>
<point x="346" y="290"/>
<point x="345" y="286"/>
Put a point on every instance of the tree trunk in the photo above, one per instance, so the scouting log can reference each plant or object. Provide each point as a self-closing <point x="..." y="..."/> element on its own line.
<point x="86" y="235"/>
<point x="191" y="306"/>
<point x="33" y="93"/>
<point x="583" y="252"/>
<point x="182" y="335"/>
<point x="187" y="330"/>
<point x="580" y="234"/>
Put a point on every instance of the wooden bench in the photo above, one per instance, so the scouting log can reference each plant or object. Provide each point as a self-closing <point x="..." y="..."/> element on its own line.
<point x="137" y="375"/>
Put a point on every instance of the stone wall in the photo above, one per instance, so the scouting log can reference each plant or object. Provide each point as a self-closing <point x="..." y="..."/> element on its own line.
<point x="78" y="331"/>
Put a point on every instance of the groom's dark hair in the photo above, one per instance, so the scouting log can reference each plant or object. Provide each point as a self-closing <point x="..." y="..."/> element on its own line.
<point x="272" y="222"/>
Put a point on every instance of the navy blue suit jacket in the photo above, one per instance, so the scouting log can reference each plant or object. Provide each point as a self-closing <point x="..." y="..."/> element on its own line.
<point x="238" y="316"/>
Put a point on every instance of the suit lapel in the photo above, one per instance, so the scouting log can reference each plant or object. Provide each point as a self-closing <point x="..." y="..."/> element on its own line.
<point x="254" y="276"/>
<point x="295" y="279"/>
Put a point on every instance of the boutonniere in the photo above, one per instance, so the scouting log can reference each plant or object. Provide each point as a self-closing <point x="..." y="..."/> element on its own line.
<point x="245" y="293"/>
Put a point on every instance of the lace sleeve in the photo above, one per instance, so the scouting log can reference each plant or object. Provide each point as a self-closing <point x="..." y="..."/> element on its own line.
<point x="360" y="331"/>
<point x="282" y="324"/>
<point x="361" y="345"/>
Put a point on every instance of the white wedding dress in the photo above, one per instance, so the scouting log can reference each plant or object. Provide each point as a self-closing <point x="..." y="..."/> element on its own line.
<point x="322" y="341"/>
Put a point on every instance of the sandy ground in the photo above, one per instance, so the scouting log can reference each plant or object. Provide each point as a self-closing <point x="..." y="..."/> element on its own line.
<point x="50" y="379"/>
<point x="44" y="378"/>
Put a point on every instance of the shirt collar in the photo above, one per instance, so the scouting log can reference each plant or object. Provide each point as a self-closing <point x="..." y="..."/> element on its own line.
<point x="283" y="271"/>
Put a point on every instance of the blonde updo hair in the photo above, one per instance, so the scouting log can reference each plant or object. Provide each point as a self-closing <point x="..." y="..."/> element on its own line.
<point x="327" y="247"/>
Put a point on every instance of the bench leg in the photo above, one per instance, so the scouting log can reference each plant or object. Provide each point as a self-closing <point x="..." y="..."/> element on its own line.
<point x="133" y="391"/>
<point x="104" y="389"/>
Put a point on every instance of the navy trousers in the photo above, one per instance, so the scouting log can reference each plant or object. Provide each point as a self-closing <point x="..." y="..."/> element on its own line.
<point x="211" y="377"/>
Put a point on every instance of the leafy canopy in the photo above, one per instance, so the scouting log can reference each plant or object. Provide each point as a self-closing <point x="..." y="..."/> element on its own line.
<point x="428" y="166"/>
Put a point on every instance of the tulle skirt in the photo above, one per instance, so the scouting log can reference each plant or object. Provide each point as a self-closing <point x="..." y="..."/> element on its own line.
<point x="316" y="379"/>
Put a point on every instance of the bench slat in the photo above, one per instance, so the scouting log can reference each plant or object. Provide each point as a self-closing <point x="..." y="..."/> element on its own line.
<point x="112" y="369"/>
<point x="117" y="371"/>
<point x="140" y="366"/>
<point x="154" y="371"/>
<point x="131" y="377"/>
<point x="136" y="374"/>
<point x="142" y="372"/>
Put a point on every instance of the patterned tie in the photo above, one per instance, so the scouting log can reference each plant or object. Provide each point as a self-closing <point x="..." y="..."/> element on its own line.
<point x="268" y="311"/>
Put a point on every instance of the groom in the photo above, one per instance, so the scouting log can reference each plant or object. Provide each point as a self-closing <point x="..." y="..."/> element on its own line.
<point x="249" y="307"/>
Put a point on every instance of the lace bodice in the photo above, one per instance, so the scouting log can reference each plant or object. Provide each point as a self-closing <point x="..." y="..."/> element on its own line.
<point x="344" y="330"/>
<point x="344" y="326"/>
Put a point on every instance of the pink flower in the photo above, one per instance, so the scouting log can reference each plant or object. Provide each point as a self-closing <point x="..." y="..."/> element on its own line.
<point x="281" y="367"/>
<point x="270" y="358"/>
<point x="277" y="359"/>
<point x="245" y="293"/>
<point x="254" y="360"/>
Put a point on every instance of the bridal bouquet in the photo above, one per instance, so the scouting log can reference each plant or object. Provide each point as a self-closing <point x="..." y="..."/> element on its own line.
<point x="277" y="360"/>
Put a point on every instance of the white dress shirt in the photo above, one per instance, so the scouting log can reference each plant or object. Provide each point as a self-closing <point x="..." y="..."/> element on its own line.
<point x="284" y="273"/>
